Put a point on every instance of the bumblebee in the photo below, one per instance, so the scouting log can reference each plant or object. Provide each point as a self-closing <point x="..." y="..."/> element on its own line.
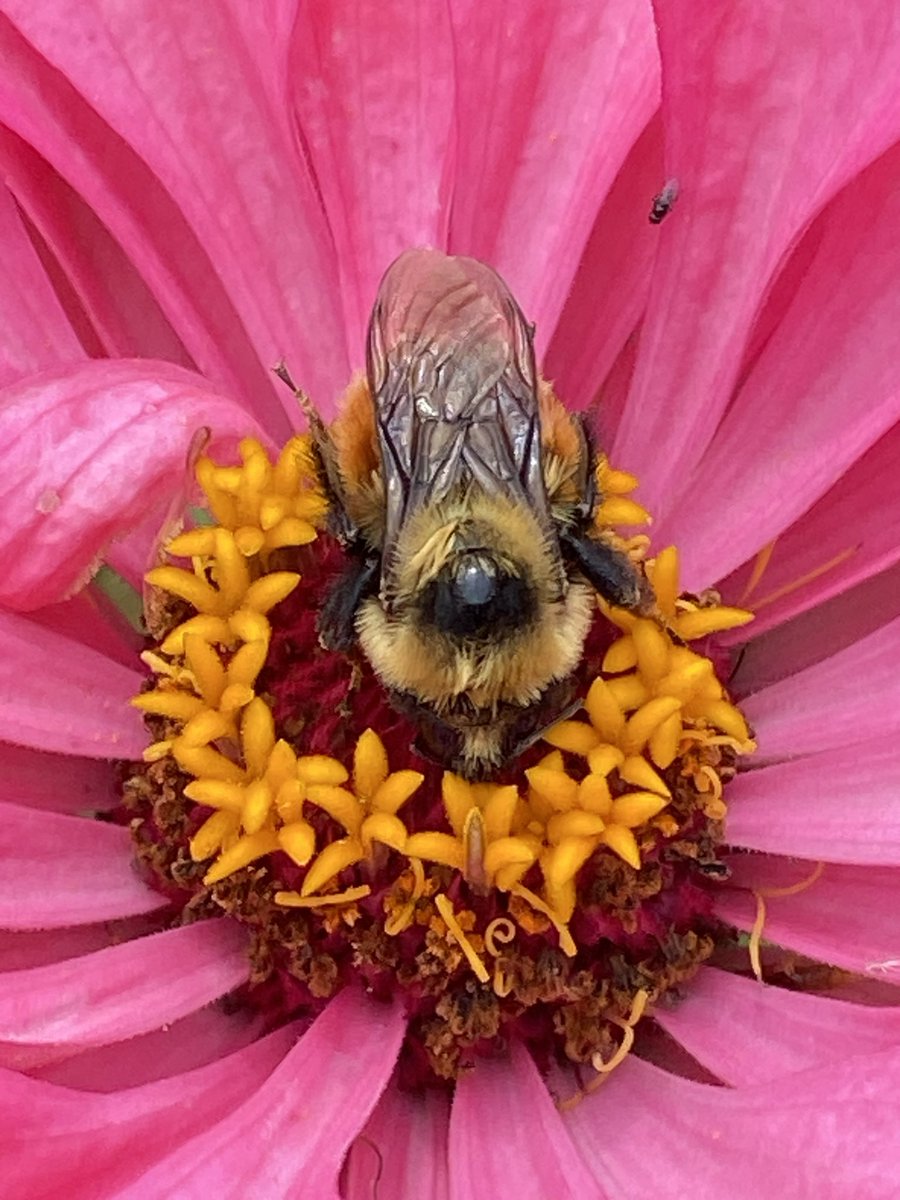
<point x="464" y="494"/>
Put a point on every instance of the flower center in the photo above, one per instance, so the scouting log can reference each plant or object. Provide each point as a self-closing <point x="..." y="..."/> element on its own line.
<point x="553" y="903"/>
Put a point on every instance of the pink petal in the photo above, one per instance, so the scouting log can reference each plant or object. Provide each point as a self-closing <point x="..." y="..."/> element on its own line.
<point x="737" y="83"/>
<point x="609" y="293"/>
<point x="402" y="1151"/>
<point x="59" y="1142"/>
<point x="39" y="947"/>
<point x="36" y="334"/>
<point x="748" y="1032"/>
<point x="87" y="450"/>
<point x="373" y="88"/>
<point x="568" y="88"/>
<point x="110" y="306"/>
<point x="813" y="403"/>
<point x="48" y="1013"/>
<point x="89" y="617"/>
<point x="58" y="695"/>
<point x="60" y="871"/>
<point x="850" y="916"/>
<point x="828" y="1133"/>
<point x="507" y="1139"/>
<point x="852" y="696"/>
<point x="841" y="805"/>
<point x="846" y="538"/>
<point x="74" y="785"/>
<point x="161" y="121"/>
<point x="818" y="634"/>
<point x="184" y="1045"/>
<point x="289" y="1138"/>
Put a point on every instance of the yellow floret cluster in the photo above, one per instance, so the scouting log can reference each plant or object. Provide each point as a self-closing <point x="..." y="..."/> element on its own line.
<point x="656" y="701"/>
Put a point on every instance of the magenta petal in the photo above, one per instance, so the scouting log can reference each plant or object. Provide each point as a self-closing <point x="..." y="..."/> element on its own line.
<point x="36" y="333"/>
<point x="174" y="139"/>
<point x="60" y="871"/>
<point x="739" y="82"/>
<point x="59" y="695"/>
<point x="828" y="1133"/>
<point x="402" y="1151"/>
<point x="55" y="1141"/>
<point x="568" y="88"/>
<point x="609" y="292"/>
<point x="851" y="535"/>
<point x="747" y="1032"/>
<point x="812" y="404"/>
<point x="529" y="1154"/>
<point x="850" y="697"/>
<point x="52" y="781"/>
<point x="50" y="1012"/>
<point x="841" y="806"/>
<point x="183" y="1045"/>
<point x="289" y="1138"/>
<point x="850" y="916"/>
<point x="373" y="87"/>
<point x="110" y="306"/>
<point x="86" y="452"/>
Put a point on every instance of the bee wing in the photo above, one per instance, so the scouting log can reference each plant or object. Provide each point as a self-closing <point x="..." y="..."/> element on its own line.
<point x="451" y="368"/>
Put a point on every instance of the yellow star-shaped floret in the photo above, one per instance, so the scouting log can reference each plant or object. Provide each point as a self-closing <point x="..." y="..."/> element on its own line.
<point x="368" y="813"/>
<point x="484" y="844"/>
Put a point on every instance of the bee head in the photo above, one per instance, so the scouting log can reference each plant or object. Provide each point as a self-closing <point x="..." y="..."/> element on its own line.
<point x="477" y="595"/>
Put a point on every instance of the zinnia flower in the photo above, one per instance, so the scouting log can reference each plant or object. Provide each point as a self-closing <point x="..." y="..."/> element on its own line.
<point x="196" y="191"/>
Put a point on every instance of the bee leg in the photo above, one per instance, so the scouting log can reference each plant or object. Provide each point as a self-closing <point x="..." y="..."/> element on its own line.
<point x="336" y="624"/>
<point x="609" y="571"/>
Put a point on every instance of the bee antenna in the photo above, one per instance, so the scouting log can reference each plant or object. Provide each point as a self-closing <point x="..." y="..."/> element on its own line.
<point x="306" y="405"/>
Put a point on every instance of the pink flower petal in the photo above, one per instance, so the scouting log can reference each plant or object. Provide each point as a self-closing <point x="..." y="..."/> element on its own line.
<point x="609" y="293"/>
<point x="73" y="785"/>
<point x="846" y="538"/>
<point x="184" y="1045"/>
<point x="58" y="695"/>
<point x="86" y="451"/>
<point x="816" y="635"/>
<point x="39" y="947"/>
<point x="529" y="1154"/>
<point x="289" y="1138"/>
<point x="812" y="403"/>
<point x="48" y="1013"/>
<point x="841" y="806"/>
<point x="828" y="1133"/>
<point x="851" y="697"/>
<point x="173" y="139"/>
<point x="402" y="1151"/>
<point x="748" y="1032"/>
<point x="36" y="334"/>
<point x="111" y="308"/>
<point x="58" y="1142"/>
<point x="374" y="93"/>
<point x="849" y="917"/>
<point x="88" y="617"/>
<point x="738" y="84"/>
<point x="60" y="871"/>
<point x="568" y="88"/>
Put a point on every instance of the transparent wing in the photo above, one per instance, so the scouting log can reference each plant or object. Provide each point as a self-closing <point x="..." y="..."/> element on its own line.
<point x="451" y="367"/>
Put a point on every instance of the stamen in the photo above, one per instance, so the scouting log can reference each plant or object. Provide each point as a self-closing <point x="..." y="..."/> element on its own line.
<point x="795" y="584"/>
<point x="759" y="569"/>
<point x="348" y="896"/>
<point x="566" y="942"/>
<point x="754" y="942"/>
<point x="445" y="908"/>
<point x="502" y="930"/>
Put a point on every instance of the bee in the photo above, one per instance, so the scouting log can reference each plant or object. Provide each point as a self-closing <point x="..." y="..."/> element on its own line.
<point x="464" y="494"/>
